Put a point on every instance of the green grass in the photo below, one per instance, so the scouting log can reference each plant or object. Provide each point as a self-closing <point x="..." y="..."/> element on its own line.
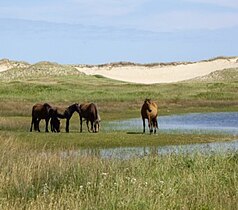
<point x="35" y="175"/>
<point x="116" y="99"/>
<point x="33" y="179"/>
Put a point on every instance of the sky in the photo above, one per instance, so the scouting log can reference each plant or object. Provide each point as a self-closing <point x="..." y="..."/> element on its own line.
<point x="103" y="31"/>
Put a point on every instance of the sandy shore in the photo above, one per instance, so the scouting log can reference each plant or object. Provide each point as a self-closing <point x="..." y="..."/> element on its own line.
<point x="165" y="73"/>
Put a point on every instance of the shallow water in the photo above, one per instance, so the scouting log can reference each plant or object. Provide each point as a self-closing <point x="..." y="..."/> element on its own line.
<point x="132" y="152"/>
<point x="221" y="122"/>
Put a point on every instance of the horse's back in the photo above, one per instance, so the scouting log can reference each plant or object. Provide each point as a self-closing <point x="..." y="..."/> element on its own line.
<point x="40" y="110"/>
<point x="89" y="110"/>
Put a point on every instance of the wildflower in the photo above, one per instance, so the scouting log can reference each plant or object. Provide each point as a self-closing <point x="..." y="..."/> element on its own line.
<point x="161" y="182"/>
<point x="45" y="189"/>
<point x="133" y="180"/>
<point x="104" y="174"/>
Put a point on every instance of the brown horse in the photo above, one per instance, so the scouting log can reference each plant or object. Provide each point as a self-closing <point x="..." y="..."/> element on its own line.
<point x="55" y="124"/>
<point x="89" y="112"/>
<point x="66" y="113"/>
<point x="149" y="110"/>
<point x="39" y="112"/>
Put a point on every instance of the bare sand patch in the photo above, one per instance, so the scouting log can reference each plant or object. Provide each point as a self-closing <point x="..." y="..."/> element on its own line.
<point x="159" y="73"/>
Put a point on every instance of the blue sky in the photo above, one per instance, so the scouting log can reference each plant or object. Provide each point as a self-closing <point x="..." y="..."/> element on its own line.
<point x="101" y="31"/>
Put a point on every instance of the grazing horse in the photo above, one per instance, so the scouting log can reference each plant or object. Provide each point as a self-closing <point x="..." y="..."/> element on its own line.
<point x="55" y="124"/>
<point x="39" y="112"/>
<point x="149" y="110"/>
<point x="66" y="114"/>
<point x="89" y="112"/>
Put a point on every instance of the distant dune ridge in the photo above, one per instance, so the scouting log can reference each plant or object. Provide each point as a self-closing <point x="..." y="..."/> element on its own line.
<point x="207" y="70"/>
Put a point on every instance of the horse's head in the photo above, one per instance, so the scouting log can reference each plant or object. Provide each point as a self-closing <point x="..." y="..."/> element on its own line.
<point x="147" y="104"/>
<point x="96" y="126"/>
<point x="56" y="124"/>
<point x="76" y="107"/>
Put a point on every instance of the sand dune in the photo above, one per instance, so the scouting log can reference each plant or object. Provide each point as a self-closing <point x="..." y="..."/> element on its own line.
<point x="136" y="73"/>
<point x="160" y="73"/>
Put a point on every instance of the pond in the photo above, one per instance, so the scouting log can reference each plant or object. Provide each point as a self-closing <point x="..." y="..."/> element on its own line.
<point x="132" y="152"/>
<point x="219" y="122"/>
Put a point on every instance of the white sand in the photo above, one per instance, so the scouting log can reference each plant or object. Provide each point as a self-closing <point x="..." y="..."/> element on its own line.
<point x="4" y="67"/>
<point x="160" y="73"/>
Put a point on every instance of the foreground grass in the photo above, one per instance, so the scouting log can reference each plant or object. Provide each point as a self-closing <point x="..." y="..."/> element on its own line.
<point x="37" y="179"/>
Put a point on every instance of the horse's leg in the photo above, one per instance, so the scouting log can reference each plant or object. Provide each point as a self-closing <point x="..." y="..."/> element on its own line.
<point x="32" y="121"/>
<point x="67" y="125"/>
<point x="150" y="124"/>
<point x="143" y="119"/>
<point x="37" y="125"/>
<point x="81" y="124"/>
<point x="155" y="125"/>
<point x="46" y="124"/>
<point x="87" y="121"/>
<point x="51" y="126"/>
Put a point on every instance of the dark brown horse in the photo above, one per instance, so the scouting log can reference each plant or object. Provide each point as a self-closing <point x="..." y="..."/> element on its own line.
<point x="66" y="113"/>
<point x="89" y="112"/>
<point x="55" y="124"/>
<point x="149" y="110"/>
<point x="39" y="112"/>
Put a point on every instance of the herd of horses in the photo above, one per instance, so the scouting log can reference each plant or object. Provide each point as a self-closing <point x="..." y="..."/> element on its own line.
<point x="86" y="111"/>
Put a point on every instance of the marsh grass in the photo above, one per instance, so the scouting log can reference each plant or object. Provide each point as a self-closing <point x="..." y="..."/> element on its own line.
<point x="33" y="179"/>
<point x="35" y="175"/>
<point x="114" y="98"/>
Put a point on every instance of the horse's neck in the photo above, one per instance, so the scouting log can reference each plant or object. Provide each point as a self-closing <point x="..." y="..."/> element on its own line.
<point x="70" y="110"/>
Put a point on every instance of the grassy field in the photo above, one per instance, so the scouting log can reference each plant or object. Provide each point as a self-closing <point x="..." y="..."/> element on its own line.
<point x="35" y="175"/>
<point x="40" y="179"/>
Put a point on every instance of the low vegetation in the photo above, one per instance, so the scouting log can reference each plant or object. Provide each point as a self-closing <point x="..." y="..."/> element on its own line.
<point x="39" y="179"/>
<point x="39" y="170"/>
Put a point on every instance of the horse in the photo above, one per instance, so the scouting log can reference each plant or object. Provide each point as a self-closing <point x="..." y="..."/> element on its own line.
<point x="89" y="112"/>
<point x="149" y="110"/>
<point x="66" y="113"/>
<point x="43" y="111"/>
<point x="55" y="124"/>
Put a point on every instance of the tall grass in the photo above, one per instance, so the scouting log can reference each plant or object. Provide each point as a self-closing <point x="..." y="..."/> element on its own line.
<point x="33" y="179"/>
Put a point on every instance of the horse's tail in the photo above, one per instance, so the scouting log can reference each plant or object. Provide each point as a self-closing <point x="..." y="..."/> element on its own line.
<point x="98" y="119"/>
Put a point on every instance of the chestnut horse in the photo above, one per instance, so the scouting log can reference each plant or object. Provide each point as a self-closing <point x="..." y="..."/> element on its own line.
<point x="42" y="111"/>
<point x="89" y="112"/>
<point x="149" y="110"/>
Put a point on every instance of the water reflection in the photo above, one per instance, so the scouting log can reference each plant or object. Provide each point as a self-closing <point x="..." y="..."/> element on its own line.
<point x="221" y="122"/>
<point x="131" y="152"/>
<point x="224" y="122"/>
